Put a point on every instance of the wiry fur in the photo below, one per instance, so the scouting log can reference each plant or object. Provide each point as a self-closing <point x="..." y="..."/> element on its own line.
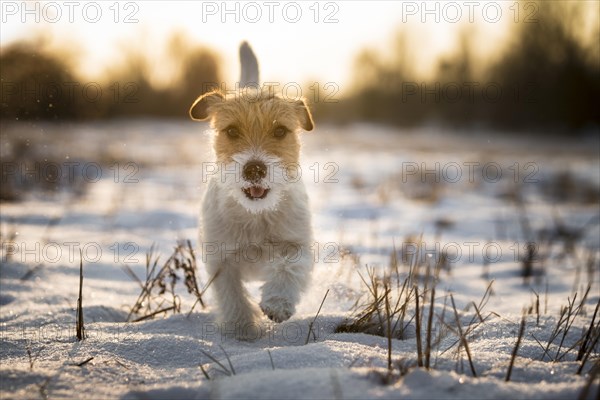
<point x="269" y="238"/>
<point x="275" y="181"/>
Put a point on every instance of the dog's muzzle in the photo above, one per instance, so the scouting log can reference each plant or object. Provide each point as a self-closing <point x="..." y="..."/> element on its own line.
<point x="254" y="172"/>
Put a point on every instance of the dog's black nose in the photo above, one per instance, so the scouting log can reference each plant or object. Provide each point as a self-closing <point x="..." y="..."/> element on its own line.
<point x="254" y="171"/>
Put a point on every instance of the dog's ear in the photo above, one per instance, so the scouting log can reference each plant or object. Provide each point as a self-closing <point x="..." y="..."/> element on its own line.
<point x="199" y="111"/>
<point x="304" y="115"/>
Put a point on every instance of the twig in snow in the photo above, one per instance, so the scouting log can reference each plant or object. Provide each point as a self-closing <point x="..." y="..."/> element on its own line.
<point x="310" y="326"/>
<point x="79" y="324"/>
<point x="516" y="349"/>
<point x="429" y="323"/>
<point x="418" y="324"/>
<point x="271" y="358"/>
<point x="463" y="338"/>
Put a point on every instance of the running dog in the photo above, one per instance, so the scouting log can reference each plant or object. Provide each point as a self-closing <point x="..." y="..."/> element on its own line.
<point x="256" y="220"/>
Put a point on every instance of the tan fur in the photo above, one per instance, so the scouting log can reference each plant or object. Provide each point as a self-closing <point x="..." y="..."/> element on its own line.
<point x="255" y="114"/>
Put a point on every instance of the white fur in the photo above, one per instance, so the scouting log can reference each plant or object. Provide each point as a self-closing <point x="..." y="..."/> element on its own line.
<point x="267" y="239"/>
<point x="231" y="176"/>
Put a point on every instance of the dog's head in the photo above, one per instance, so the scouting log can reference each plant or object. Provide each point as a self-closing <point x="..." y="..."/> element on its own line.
<point x="256" y="142"/>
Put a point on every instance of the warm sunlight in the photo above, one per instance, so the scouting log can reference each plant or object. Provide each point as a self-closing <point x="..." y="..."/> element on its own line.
<point x="300" y="199"/>
<point x="284" y="34"/>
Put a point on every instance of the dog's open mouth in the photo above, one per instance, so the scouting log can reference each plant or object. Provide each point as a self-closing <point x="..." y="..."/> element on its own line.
<point x="256" y="192"/>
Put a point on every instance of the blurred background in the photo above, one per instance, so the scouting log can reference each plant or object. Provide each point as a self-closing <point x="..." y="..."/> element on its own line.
<point x="523" y="65"/>
<point x="516" y="83"/>
<point x="457" y="139"/>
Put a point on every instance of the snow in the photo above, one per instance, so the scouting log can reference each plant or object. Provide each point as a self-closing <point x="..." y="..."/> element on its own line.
<point x="365" y="209"/>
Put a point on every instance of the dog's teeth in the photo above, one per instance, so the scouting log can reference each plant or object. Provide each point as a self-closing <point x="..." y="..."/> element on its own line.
<point x="257" y="191"/>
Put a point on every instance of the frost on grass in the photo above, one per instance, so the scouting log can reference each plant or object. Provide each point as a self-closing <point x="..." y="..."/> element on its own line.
<point x="393" y="311"/>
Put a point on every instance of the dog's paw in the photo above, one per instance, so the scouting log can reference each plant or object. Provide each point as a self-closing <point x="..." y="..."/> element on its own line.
<point x="277" y="309"/>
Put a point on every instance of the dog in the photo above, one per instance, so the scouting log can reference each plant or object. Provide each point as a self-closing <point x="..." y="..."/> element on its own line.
<point x="256" y="220"/>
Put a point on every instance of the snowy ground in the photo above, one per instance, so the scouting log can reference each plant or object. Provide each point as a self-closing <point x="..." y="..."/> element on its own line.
<point x="372" y="190"/>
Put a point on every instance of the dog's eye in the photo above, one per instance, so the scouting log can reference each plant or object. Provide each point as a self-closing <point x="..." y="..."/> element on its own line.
<point x="280" y="131"/>
<point x="232" y="132"/>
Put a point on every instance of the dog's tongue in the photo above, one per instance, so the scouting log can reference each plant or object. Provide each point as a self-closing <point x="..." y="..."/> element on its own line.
<point x="256" y="191"/>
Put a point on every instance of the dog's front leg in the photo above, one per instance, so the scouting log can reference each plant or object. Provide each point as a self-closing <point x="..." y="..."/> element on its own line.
<point x="286" y="279"/>
<point x="237" y="313"/>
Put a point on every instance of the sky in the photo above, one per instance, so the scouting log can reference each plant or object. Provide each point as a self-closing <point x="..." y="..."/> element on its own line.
<point x="302" y="41"/>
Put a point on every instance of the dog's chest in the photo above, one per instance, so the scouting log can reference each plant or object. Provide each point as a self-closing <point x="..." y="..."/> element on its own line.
<point x="256" y="229"/>
<point x="225" y="221"/>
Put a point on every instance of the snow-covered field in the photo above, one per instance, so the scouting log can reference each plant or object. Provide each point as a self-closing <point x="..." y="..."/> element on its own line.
<point x="476" y="199"/>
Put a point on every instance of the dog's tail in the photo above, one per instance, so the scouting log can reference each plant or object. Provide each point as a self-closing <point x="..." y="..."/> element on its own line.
<point x="249" y="63"/>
